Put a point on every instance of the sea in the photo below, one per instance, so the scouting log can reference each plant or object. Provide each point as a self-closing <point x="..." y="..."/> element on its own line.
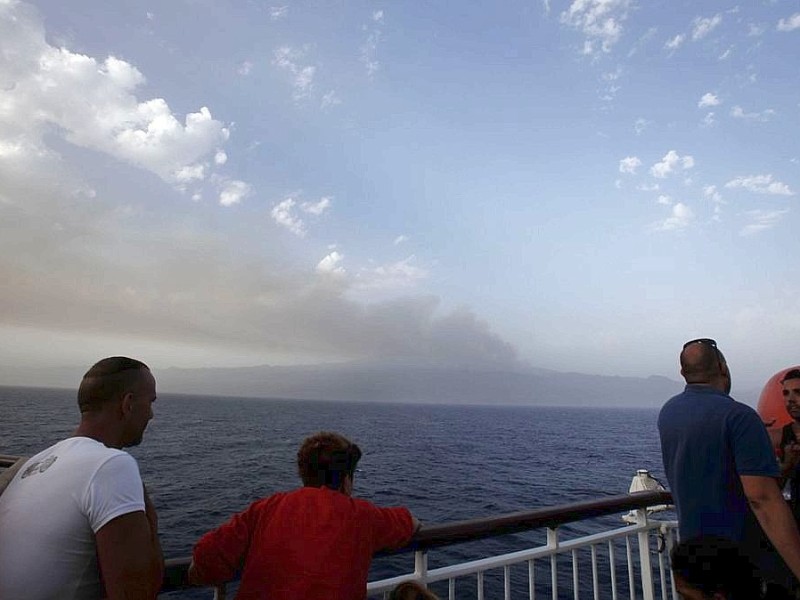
<point x="204" y="458"/>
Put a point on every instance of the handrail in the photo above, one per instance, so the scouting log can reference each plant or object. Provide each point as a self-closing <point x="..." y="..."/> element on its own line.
<point x="432" y="536"/>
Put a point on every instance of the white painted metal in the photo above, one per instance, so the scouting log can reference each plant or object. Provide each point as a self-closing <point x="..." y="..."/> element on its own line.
<point x="507" y="582"/>
<point x="552" y="549"/>
<point x="575" y="579"/>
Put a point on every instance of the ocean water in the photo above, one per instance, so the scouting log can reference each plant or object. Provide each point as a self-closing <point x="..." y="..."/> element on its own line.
<point x="204" y="458"/>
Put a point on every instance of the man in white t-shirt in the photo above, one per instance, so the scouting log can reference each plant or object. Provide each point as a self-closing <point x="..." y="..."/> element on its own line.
<point x="76" y="521"/>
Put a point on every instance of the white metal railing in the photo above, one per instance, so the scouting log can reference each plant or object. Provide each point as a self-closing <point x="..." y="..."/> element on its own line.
<point x="641" y="536"/>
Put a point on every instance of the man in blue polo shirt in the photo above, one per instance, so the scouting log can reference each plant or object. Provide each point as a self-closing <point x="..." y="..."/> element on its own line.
<point x="719" y="460"/>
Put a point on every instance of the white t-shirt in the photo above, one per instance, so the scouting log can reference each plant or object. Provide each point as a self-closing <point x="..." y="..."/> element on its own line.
<point x="49" y="515"/>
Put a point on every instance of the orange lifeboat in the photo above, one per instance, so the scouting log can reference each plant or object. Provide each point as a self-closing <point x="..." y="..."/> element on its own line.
<point x="771" y="407"/>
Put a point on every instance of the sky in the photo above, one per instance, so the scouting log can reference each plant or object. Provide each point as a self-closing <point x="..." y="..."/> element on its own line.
<point x="579" y="186"/>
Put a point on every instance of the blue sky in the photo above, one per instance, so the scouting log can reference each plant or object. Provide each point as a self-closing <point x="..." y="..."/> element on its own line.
<point x="579" y="185"/>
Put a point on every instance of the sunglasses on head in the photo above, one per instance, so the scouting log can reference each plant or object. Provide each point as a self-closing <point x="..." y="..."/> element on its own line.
<point x="706" y="341"/>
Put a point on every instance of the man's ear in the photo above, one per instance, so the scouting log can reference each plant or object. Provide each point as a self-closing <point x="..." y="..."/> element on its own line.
<point x="126" y="404"/>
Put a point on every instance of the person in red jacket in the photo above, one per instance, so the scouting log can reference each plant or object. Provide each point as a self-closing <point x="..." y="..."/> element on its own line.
<point x="313" y="542"/>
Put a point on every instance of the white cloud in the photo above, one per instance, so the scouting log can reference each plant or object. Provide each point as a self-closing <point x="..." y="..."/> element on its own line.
<point x="289" y="59"/>
<point x="599" y="20"/>
<point x="664" y="199"/>
<point x="640" y="125"/>
<point x="369" y="49"/>
<point x="278" y="12"/>
<point x="709" y="120"/>
<point x="725" y="55"/>
<point x="400" y="239"/>
<point x="737" y="112"/>
<point x="283" y="214"/>
<point x="245" y="68"/>
<point x="329" y="265"/>
<point x="760" y="184"/>
<point x="675" y="43"/>
<point x="755" y="30"/>
<point x="761" y="220"/>
<point x="317" y="208"/>
<point x="330" y="99"/>
<point x="670" y="163"/>
<point x="649" y="187"/>
<point x="707" y="100"/>
<point x="681" y="217"/>
<point x="399" y="275"/>
<point x="789" y="24"/>
<point x="710" y="192"/>
<point x="46" y="91"/>
<point x="220" y="158"/>
<point x="233" y="191"/>
<point x="701" y="26"/>
<point x="629" y="164"/>
<point x="190" y="173"/>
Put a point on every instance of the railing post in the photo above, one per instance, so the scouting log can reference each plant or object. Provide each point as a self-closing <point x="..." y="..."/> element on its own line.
<point x="552" y="542"/>
<point x="648" y="592"/>
<point x="421" y="566"/>
<point x="220" y="592"/>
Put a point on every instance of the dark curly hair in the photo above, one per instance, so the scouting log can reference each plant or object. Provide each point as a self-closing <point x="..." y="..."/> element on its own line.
<point x="325" y="458"/>
<point x="714" y="564"/>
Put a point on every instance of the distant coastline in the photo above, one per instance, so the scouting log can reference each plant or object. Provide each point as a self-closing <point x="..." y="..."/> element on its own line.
<point x="390" y="383"/>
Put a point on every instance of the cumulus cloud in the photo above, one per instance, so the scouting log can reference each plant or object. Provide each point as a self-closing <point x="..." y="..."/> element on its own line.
<point x="220" y="158"/>
<point x="761" y="220"/>
<point x="284" y="214"/>
<point x="709" y="120"/>
<point x="760" y="184"/>
<point x="702" y="26"/>
<point x="670" y="163"/>
<point x="737" y="112"/>
<point x="640" y="125"/>
<point x="329" y="265"/>
<point x="290" y="60"/>
<point x="710" y="192"/>
<point x="278" y="12"/>
<point x="244" y="68"/>
<point x="629" y="164"/>
<point x="600" y="21"/>
<point x="317" y="208"/>
<point x="790" y="23"/>
<point x="664" y="200"/>
<point x="707" y="100"/>
<point x="675" y="43"/>
<point x="391" y="277"/>
<point x="680" y="218"/>
<point x="232" y="192"/>
<point x="45" y="92"/>
<point x="400" y="239"/>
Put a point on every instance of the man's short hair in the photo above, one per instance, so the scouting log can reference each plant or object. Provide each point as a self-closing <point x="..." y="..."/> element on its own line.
<point x="791" y="374"/>
<point x="705" y="361"/>
<point x="108" y="379"/>
<point x="325" y="458"/>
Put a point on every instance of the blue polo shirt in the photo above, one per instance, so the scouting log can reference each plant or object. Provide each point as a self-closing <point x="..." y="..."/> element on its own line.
<point x="708" y="440"/>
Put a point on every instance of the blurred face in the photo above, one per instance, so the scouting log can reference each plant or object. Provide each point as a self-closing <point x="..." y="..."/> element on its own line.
<point x="791" y="395"/>
<point x="140" y="407"/>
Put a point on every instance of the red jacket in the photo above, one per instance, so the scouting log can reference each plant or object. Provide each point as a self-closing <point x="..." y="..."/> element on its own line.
<point x="307" y="544"/>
